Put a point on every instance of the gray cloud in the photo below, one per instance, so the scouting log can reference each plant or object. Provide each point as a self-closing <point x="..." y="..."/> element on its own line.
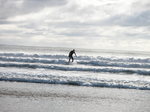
<point x="137" y="35"/>
<point x="78" y="33"/>
<point x="137" y="19"/>
<point x="10" y="8"/>
<point x="71" y="24"/>
<point x="142" y="19"/>
<point x="34" y="5"/>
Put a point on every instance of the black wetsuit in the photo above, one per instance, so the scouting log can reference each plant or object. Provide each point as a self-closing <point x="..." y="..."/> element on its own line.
<point x="71" y="55"/>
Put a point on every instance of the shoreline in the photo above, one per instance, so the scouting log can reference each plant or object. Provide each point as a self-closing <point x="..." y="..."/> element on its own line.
<point x="19" y="96"/>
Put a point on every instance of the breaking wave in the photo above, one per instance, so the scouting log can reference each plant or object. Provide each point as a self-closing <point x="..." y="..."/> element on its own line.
<point x="112" y="59"/>
<point x="82" y="62"/>
<point x="67" y="68"/>
<point x="78" y="81"/>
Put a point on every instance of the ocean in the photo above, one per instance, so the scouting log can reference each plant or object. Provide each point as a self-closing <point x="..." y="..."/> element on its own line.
<point x="91" y="67"/>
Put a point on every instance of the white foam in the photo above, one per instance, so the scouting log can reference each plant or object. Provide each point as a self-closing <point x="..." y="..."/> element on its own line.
<point x="75" y="78"/>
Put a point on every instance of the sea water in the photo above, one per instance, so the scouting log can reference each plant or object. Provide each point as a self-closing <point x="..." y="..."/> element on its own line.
<point x="91" y="67"/>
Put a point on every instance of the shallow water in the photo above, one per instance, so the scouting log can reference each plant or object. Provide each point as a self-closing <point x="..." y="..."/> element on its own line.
<point x="23" y="97"/>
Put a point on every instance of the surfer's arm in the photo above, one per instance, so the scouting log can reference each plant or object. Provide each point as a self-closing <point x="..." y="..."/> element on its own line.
<point x="75" y="54"/>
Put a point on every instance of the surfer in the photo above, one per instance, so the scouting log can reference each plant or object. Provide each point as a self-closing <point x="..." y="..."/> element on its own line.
<point x="71" y="55"/>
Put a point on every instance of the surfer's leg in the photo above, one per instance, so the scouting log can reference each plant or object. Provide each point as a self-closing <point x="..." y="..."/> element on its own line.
<point x="72" y="59"/>
<point x="69" y="59"/>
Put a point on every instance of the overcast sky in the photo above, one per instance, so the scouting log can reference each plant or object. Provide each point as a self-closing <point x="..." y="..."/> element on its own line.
<point x="98" y="24"/>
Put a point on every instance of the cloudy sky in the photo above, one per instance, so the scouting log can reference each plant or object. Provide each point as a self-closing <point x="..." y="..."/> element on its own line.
<point x="98" y="24"/>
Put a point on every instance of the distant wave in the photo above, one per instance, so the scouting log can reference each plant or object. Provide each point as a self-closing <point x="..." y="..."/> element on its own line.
<point x="33" y="60"/>
<point x="32" y="55"/>
<point x="115" y="64"/>
<point x="72" y="68"/>
<point x="78" y="81"/>
<point x="90" y="58"/>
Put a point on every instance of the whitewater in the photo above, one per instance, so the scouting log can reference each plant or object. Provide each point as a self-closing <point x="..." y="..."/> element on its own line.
<point x="95" y="68"/>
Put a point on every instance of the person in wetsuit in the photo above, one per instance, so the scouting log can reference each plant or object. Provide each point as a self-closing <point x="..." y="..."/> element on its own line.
<point x="71" y="55"/>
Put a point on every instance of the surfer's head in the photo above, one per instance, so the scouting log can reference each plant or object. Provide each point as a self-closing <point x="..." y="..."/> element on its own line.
<point x="74" y="50"/>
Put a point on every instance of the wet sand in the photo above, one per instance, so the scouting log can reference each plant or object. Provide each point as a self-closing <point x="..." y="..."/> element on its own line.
<point x="27" y="97"/>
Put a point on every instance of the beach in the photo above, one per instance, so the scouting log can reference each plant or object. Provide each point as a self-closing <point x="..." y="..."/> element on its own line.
<point x="35" y="97"/>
